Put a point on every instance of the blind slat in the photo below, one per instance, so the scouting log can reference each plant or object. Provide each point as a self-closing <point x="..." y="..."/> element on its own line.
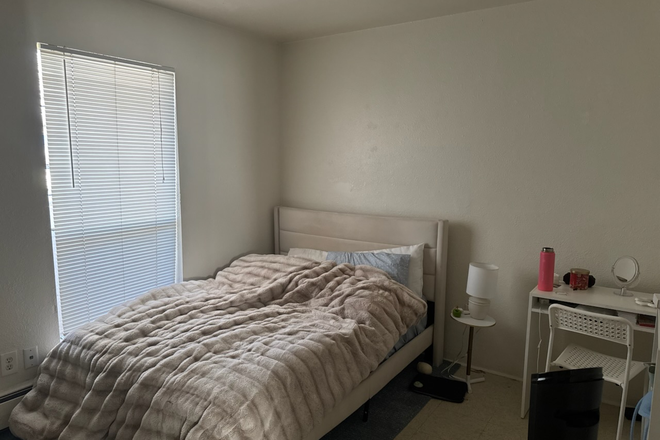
<point x="110" y="130"/>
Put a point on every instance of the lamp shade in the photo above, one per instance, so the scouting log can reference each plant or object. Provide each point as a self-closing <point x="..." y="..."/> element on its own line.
<point x="482" y="280"/>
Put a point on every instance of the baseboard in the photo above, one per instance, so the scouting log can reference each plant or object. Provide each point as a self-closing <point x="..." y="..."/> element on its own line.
<point x="489" y="371"/>
<point x="7" y="404"/>
<point x="614" y="402"/>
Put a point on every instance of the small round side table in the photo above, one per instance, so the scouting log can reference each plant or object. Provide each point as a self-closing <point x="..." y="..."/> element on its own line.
<point x="488" y="321"/>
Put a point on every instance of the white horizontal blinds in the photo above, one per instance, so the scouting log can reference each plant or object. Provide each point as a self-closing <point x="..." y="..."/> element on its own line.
<point x="112" y="160"/>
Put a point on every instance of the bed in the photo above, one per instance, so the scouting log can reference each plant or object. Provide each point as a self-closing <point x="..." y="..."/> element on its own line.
<point x="274" y="346"/>
<point x="333" y="231"/>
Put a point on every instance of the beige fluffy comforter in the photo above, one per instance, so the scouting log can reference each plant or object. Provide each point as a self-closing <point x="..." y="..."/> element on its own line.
<point x="264" y="350"/>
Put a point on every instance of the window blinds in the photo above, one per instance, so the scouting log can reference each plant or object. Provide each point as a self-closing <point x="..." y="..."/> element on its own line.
<point x="111" y="164"/>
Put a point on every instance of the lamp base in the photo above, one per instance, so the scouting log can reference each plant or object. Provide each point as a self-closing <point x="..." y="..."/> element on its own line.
<point x="478" y="307"/>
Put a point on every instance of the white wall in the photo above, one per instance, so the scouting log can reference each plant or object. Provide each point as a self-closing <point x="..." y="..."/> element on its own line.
<point x="227" y="102"/>
<point x="28" y="313"/>
<point x="525" y="126"/>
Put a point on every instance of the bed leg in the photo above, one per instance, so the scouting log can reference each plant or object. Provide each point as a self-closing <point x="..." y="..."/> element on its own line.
<point x="365" y="411"/>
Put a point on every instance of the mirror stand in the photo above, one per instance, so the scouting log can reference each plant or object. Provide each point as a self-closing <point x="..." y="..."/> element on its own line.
<point x="623" y="292"/>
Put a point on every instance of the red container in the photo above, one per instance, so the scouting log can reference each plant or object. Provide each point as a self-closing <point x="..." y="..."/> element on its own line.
<point x="579" y="279"/>
<point x="546" y="269"/>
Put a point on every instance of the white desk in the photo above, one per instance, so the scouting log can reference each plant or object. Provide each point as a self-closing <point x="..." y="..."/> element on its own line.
<point x="602" y="297"/>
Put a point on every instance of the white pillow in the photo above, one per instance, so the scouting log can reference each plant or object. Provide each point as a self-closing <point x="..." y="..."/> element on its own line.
<point x="312" y="254"/>
<point x="415" y="269"/>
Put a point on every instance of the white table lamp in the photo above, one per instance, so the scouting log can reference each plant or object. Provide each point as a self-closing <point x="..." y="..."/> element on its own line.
<point x="481" y="287"/>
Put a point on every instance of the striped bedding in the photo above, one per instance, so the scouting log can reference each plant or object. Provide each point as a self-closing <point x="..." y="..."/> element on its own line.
<point x="262" y="351"/>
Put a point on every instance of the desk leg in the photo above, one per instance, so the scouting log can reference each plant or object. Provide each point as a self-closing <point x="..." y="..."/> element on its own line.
<point x="524" y="406"/>
<point x="654" y="421"/>
<point x="655" y="339"/>
<point x="468" y="369"/>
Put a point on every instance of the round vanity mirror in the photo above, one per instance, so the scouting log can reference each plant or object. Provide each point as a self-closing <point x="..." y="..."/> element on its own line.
<point x="625" y="272"/>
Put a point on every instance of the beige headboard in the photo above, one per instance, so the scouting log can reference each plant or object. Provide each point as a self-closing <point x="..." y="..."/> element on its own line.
<point x="334" y="231"/>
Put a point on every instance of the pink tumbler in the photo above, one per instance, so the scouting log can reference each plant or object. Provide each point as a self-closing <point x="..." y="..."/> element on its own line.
<point x="547" y="269"/>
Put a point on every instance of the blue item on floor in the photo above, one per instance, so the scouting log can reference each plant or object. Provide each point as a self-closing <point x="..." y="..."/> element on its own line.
<point x="643" y="408"/>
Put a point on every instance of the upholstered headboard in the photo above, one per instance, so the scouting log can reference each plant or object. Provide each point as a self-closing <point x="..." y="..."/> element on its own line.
<point x="334" y="231"/>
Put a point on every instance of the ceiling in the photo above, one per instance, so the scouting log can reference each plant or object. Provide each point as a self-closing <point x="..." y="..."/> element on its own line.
<point x="289" y="20"/>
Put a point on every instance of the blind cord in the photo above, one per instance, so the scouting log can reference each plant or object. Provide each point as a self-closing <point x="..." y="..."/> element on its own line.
<point x="79" y="175"/>
<point x="68" y="122"/>
<point x="119" y="167"/>
<point x="160" y="122"/>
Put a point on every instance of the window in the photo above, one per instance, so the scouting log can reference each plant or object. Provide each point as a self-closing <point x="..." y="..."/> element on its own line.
<point x="111" y="166"/>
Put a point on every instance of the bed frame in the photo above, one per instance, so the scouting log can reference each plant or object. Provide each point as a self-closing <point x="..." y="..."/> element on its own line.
<point x="333" y="231"/>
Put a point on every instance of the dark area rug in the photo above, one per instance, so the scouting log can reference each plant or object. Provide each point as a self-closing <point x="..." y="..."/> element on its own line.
<point x="6" y="435"/>
<point x="389" y="411"/>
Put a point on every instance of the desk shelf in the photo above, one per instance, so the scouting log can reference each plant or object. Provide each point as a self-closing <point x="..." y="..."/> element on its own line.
<point x="542" y="308"/>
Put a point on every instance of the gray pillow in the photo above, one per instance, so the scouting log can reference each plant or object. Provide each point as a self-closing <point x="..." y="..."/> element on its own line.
<point x="395" y="265"/>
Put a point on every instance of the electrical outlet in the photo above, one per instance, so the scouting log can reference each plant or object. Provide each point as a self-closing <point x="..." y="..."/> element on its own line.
<point x="8" y="363"/>
<point x="30" y="357"/>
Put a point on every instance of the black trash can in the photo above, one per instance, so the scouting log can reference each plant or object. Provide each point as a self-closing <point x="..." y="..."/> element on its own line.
<point x="565" y="405"/>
